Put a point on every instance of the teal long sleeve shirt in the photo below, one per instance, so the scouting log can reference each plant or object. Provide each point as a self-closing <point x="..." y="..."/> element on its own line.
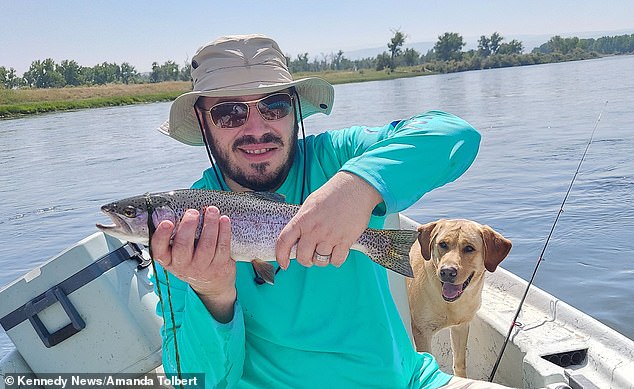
<point x="326" y="327"/>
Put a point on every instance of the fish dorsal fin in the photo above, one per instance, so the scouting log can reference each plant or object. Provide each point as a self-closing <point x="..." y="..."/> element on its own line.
<point x="268" y="196"/>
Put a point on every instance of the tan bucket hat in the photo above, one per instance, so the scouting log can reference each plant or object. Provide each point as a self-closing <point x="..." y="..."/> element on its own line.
<point x="241" y="65"/>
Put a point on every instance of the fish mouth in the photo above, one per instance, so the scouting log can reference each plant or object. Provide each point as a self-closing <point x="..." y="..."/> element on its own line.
<point x="120" y="227"/>
<point x="452" y="292"/>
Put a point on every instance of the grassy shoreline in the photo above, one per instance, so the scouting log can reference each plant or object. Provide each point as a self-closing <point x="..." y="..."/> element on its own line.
<point x="24" y="102"/>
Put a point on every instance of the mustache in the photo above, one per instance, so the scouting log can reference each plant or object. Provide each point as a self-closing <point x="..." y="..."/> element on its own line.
<point x="250" y="140"/>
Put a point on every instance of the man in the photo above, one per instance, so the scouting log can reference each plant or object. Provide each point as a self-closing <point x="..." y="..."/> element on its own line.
<point x="329" y="320"/>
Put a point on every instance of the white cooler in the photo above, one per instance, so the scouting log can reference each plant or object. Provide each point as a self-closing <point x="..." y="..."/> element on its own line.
<point x="91" y="309"/>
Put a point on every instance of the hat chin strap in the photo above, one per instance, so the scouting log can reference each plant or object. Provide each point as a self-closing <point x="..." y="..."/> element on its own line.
<point x="301" y="120"/>
<point x="296" y="106"/>
<point x="211" y="158"/>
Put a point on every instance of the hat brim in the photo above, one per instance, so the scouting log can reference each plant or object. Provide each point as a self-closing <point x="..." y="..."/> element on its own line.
<point x="316" y="96"/>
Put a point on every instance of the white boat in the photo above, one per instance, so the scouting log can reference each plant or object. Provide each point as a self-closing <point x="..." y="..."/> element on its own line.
<point x="108" y="325"/>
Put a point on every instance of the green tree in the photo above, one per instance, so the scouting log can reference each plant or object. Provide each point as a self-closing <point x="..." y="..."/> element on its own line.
<point x="494" y="42"/>
<point x="604" y="45"/>
<point x="155" y="75"/>
<point x="347" y="64"/>
<point x="186" y="71"/>
<point x="106" y="73"/>
<point x="449" y="47"/>
<point x="554" y="44"/>
<point x="557" y="44"/>
<point x="11" y="80"/>
<point x="411" y="57"/>
<point x="170" y="71"/>
<point x="337" y="60"/>
<point x="395" y="45"/>
<point x="71" y="71"/>
<point x="621" y="44"/>
<point x="513" y="47"/>
<point x="365" y="63"/>
<point x="300" y="64"/>
<point x="129" y="74"/>
<point x="86" y="75"/>
<point x="3" y="77"/>
<point x="587" y="44"/>
<point x="383" y="61"/>
<point x="484" y="46"/>
<point x="42" y="74"/>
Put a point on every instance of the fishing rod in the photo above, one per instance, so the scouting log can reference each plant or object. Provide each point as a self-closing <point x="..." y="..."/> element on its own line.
<point x="541" y="255"/>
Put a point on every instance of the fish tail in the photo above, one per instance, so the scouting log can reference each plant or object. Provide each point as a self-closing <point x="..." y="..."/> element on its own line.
<point x="390" y="248"/>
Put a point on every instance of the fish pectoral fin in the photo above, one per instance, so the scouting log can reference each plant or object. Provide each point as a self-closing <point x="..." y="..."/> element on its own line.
<point x="265" y="270"/>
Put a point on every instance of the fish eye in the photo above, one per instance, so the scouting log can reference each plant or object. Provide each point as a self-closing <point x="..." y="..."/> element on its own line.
<point x="129" y="211"/>
<point x="443" y="245"/>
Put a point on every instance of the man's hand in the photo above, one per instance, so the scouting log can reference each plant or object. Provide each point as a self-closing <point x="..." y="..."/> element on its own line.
<point x="329" y="222"/>
<point x="208" y="267"/>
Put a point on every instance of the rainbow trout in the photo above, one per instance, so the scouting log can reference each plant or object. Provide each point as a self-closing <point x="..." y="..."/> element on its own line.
<point x="257" y="218"/>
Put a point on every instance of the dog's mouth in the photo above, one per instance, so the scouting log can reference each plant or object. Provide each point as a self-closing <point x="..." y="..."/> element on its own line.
<point x="451" y="292"/>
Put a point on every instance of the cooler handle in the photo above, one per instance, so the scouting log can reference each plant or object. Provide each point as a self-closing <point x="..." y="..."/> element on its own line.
<point x="55" y="294"/>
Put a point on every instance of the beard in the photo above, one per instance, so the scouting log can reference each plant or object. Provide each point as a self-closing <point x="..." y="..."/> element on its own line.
<point x="266" y="178"/>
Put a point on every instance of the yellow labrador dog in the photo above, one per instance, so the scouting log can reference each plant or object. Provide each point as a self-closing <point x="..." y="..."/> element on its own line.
<point x="449" y="267"/>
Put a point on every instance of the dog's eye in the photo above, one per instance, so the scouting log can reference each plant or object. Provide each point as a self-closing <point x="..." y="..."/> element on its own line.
<point x="468" y="249"/>
<point x="443" y="245"/>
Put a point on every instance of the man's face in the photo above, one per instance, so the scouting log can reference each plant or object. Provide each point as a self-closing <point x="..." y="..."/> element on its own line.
<point x="256" y="155"/>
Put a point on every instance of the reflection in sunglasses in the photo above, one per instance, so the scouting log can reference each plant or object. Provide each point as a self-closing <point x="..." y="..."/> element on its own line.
<point x="232" y="114"/>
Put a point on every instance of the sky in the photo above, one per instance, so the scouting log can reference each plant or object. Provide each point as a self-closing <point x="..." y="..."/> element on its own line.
<point x="142" y="31"/>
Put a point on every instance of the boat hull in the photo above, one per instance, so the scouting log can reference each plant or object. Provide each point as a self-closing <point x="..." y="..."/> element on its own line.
<point x="552" y="342"/>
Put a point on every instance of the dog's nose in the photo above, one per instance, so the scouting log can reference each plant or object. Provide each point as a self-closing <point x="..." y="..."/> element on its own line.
<point x="448" y="274"/>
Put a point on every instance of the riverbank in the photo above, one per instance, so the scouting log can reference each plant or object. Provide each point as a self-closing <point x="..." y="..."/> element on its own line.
<point x="23" y="102"/>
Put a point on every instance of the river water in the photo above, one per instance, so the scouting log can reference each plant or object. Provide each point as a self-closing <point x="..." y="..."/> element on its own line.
<point x="56" y="170"/>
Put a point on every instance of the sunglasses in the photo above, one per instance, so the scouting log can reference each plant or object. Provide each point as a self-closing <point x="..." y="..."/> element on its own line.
<point x="234" y="114"/>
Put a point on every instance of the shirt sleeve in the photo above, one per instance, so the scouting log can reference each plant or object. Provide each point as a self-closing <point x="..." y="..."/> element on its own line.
<point x="204" y="345"/>
<point x="408" y="158"/>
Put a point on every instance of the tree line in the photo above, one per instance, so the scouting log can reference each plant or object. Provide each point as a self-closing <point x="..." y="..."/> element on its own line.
<point x="447" y="55"/>
<point x="49" y="74"/>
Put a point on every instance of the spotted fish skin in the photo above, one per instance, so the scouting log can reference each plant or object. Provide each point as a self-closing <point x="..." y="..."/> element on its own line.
<point x="257" y="219"/>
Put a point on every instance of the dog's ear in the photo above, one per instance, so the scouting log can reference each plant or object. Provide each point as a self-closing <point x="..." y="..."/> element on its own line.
<point x="496" y="248"/>
<point x="424" y="238"/>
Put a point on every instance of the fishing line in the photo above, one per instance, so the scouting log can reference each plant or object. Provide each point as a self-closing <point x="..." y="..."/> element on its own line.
<point x="151" y="230"/>
<point x="541" y="255"/>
